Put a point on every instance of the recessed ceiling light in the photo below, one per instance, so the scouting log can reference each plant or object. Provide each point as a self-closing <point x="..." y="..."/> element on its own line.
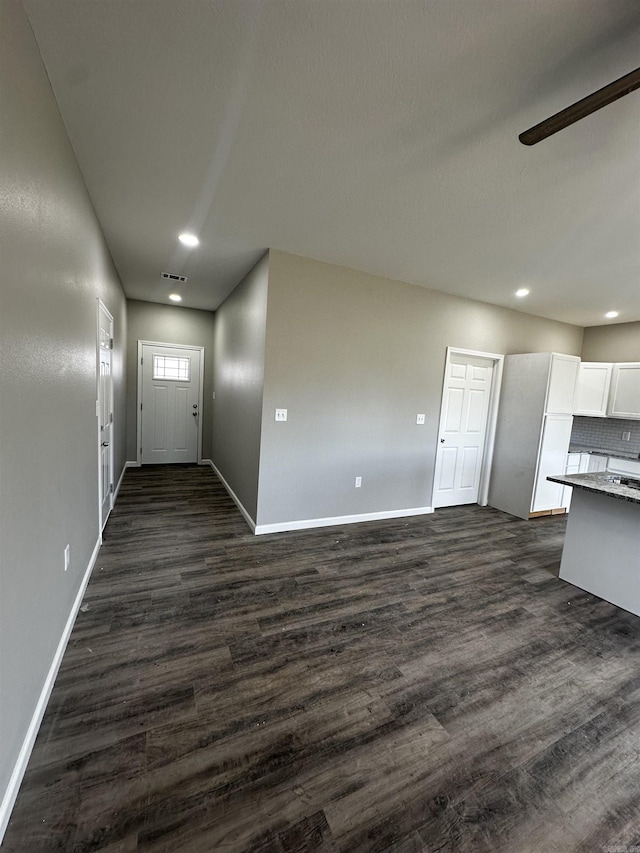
<point x="522" y="292"/>
<point x="188" y="239"/>
<point x="175" y="297"/>
<point x="611" y="314"/>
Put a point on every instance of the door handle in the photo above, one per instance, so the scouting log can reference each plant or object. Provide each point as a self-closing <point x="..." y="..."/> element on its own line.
<point x="105" y="444"/>
<point x="195" y="414"/>
<point x="442" y="441"/>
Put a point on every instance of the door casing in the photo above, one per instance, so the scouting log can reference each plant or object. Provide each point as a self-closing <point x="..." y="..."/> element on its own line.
<point x="103" y="311"/>
<point x="141" y="344"/>
<point x="492" y="416"/>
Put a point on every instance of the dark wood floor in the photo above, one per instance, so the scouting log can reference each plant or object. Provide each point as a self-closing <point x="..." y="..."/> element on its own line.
<point x="422" y="684"/>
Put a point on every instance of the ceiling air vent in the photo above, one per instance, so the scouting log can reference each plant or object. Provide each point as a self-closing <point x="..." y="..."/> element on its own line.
<point x="173" y="277"/>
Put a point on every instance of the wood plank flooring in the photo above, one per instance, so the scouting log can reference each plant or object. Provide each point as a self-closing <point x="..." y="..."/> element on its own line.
<point x="421" y="684"/>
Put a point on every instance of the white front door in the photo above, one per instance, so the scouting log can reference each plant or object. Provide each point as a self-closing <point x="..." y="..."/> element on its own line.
<point x="463" y="429"/>
<point x="105" y="413"/>
<point x="170" y="404"/>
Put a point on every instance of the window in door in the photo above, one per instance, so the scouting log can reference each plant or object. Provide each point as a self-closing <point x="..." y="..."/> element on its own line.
<point x="177" y="369"/>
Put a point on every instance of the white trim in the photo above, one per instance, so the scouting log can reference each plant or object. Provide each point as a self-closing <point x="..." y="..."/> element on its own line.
<point x="11" y="792"/>
<point x="490" y="439"/>
<point x="132" y="464"/>
<point x="139" y="394"/>
<point x="308" y="523"/>
<point x="281" y="527"/>
<point x="102" y="309"/>
<point x="492" y="418"/>
<point x="232" y="495"/>
<point x="117" y="488"/>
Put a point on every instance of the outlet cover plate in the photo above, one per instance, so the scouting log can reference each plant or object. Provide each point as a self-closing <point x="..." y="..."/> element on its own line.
<point x="281" y="414"/>
<point x="419" y="419"/>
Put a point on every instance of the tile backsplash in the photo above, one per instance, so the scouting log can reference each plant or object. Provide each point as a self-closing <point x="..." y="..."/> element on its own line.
<point x="606" y="433"/>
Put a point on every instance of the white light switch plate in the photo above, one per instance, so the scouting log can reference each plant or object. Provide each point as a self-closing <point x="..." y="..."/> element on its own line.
<point x="420" y="419"/>
<point x="281" y="414"/>
<point x="358" y="482"/>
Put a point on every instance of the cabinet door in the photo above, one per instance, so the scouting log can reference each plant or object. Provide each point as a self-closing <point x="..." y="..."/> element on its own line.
<point x="624" y="398"/>
<point x="552" y="461"/>
<point x="597" y="463"/>
<point x="573" y="467"/>
<point x="563" y="380"/>
<point x="573" y="463"/>
<point x="594" y="379"/>
<point x="584" y="463"/>
<point x="627" y="467"/>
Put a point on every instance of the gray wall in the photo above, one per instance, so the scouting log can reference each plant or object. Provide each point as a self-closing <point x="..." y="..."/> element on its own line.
<point x="354" y="358"/>
<point x="54" y="265"/>
<point x="167" y="324"/>
<point x="238" y="379"/>
<point x="620" y="342"/>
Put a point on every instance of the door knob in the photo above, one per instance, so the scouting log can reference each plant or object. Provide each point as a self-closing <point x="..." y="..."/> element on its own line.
<point x="195" y="414"/>
<point x="105" y="444"/>
<point x="442" y="441"/>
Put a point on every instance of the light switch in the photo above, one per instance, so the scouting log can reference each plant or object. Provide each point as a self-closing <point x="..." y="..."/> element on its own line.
<point x="420" y="419"/>
<point x="281" y="414"/>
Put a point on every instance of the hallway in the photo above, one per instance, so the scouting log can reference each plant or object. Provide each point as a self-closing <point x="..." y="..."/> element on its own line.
<point x="418" y="684"/>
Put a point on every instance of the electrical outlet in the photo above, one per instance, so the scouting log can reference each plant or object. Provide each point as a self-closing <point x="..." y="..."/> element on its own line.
<point x="281" y="414"/>
<point x="358" y="482"/>
<point x="67" y="557"/>
<point x="420" y="419"/>
<point x="214" y="395"/>
<point x="626" y="436"/>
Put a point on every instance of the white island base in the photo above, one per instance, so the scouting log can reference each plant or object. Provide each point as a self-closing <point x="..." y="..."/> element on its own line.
<point x="602" y="548"/>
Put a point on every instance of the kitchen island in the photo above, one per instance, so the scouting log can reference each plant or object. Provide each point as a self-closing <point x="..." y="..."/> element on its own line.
<point x="602" y="544"/>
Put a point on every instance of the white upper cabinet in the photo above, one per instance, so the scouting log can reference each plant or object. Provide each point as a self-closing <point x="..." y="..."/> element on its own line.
<point x="594" y="380"/>
<point x="624" y="397"/>
<point x="563" y="379"/>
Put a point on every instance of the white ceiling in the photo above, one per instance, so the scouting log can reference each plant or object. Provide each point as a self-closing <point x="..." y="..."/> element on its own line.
<point x="378" y="135"/>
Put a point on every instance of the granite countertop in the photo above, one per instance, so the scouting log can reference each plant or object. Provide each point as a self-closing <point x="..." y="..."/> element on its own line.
<point x="599" y="451"/>
<point x="600" y="483"/>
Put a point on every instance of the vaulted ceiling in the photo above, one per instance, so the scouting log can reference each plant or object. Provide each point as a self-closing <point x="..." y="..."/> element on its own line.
<point x="377" y="135"/>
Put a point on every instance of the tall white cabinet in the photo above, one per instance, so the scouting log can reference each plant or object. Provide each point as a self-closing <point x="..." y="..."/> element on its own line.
<point x="535" y="417"/>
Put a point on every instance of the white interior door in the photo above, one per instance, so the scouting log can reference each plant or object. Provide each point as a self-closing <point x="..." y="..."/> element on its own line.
<point x="105" y="412"/>
<point x="170" y="404"/>
<point x="463" y="429"/>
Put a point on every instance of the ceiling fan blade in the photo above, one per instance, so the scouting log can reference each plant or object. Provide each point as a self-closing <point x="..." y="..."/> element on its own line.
<point x="582" y="108"/>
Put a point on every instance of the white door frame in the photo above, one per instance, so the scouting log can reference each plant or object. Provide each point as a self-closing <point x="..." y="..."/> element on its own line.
<point x="102" y="308"/>
<point x="139" y="394"/>
<point x="492" y="417"/>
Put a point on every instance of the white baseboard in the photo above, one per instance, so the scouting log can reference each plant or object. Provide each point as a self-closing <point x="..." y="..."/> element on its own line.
<point x="117" y="489"/>
<point x="232" y="495"/>
<point x="133" y="464"/>
<point x="9" y="797"/>
<point x="306" y="524"/>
